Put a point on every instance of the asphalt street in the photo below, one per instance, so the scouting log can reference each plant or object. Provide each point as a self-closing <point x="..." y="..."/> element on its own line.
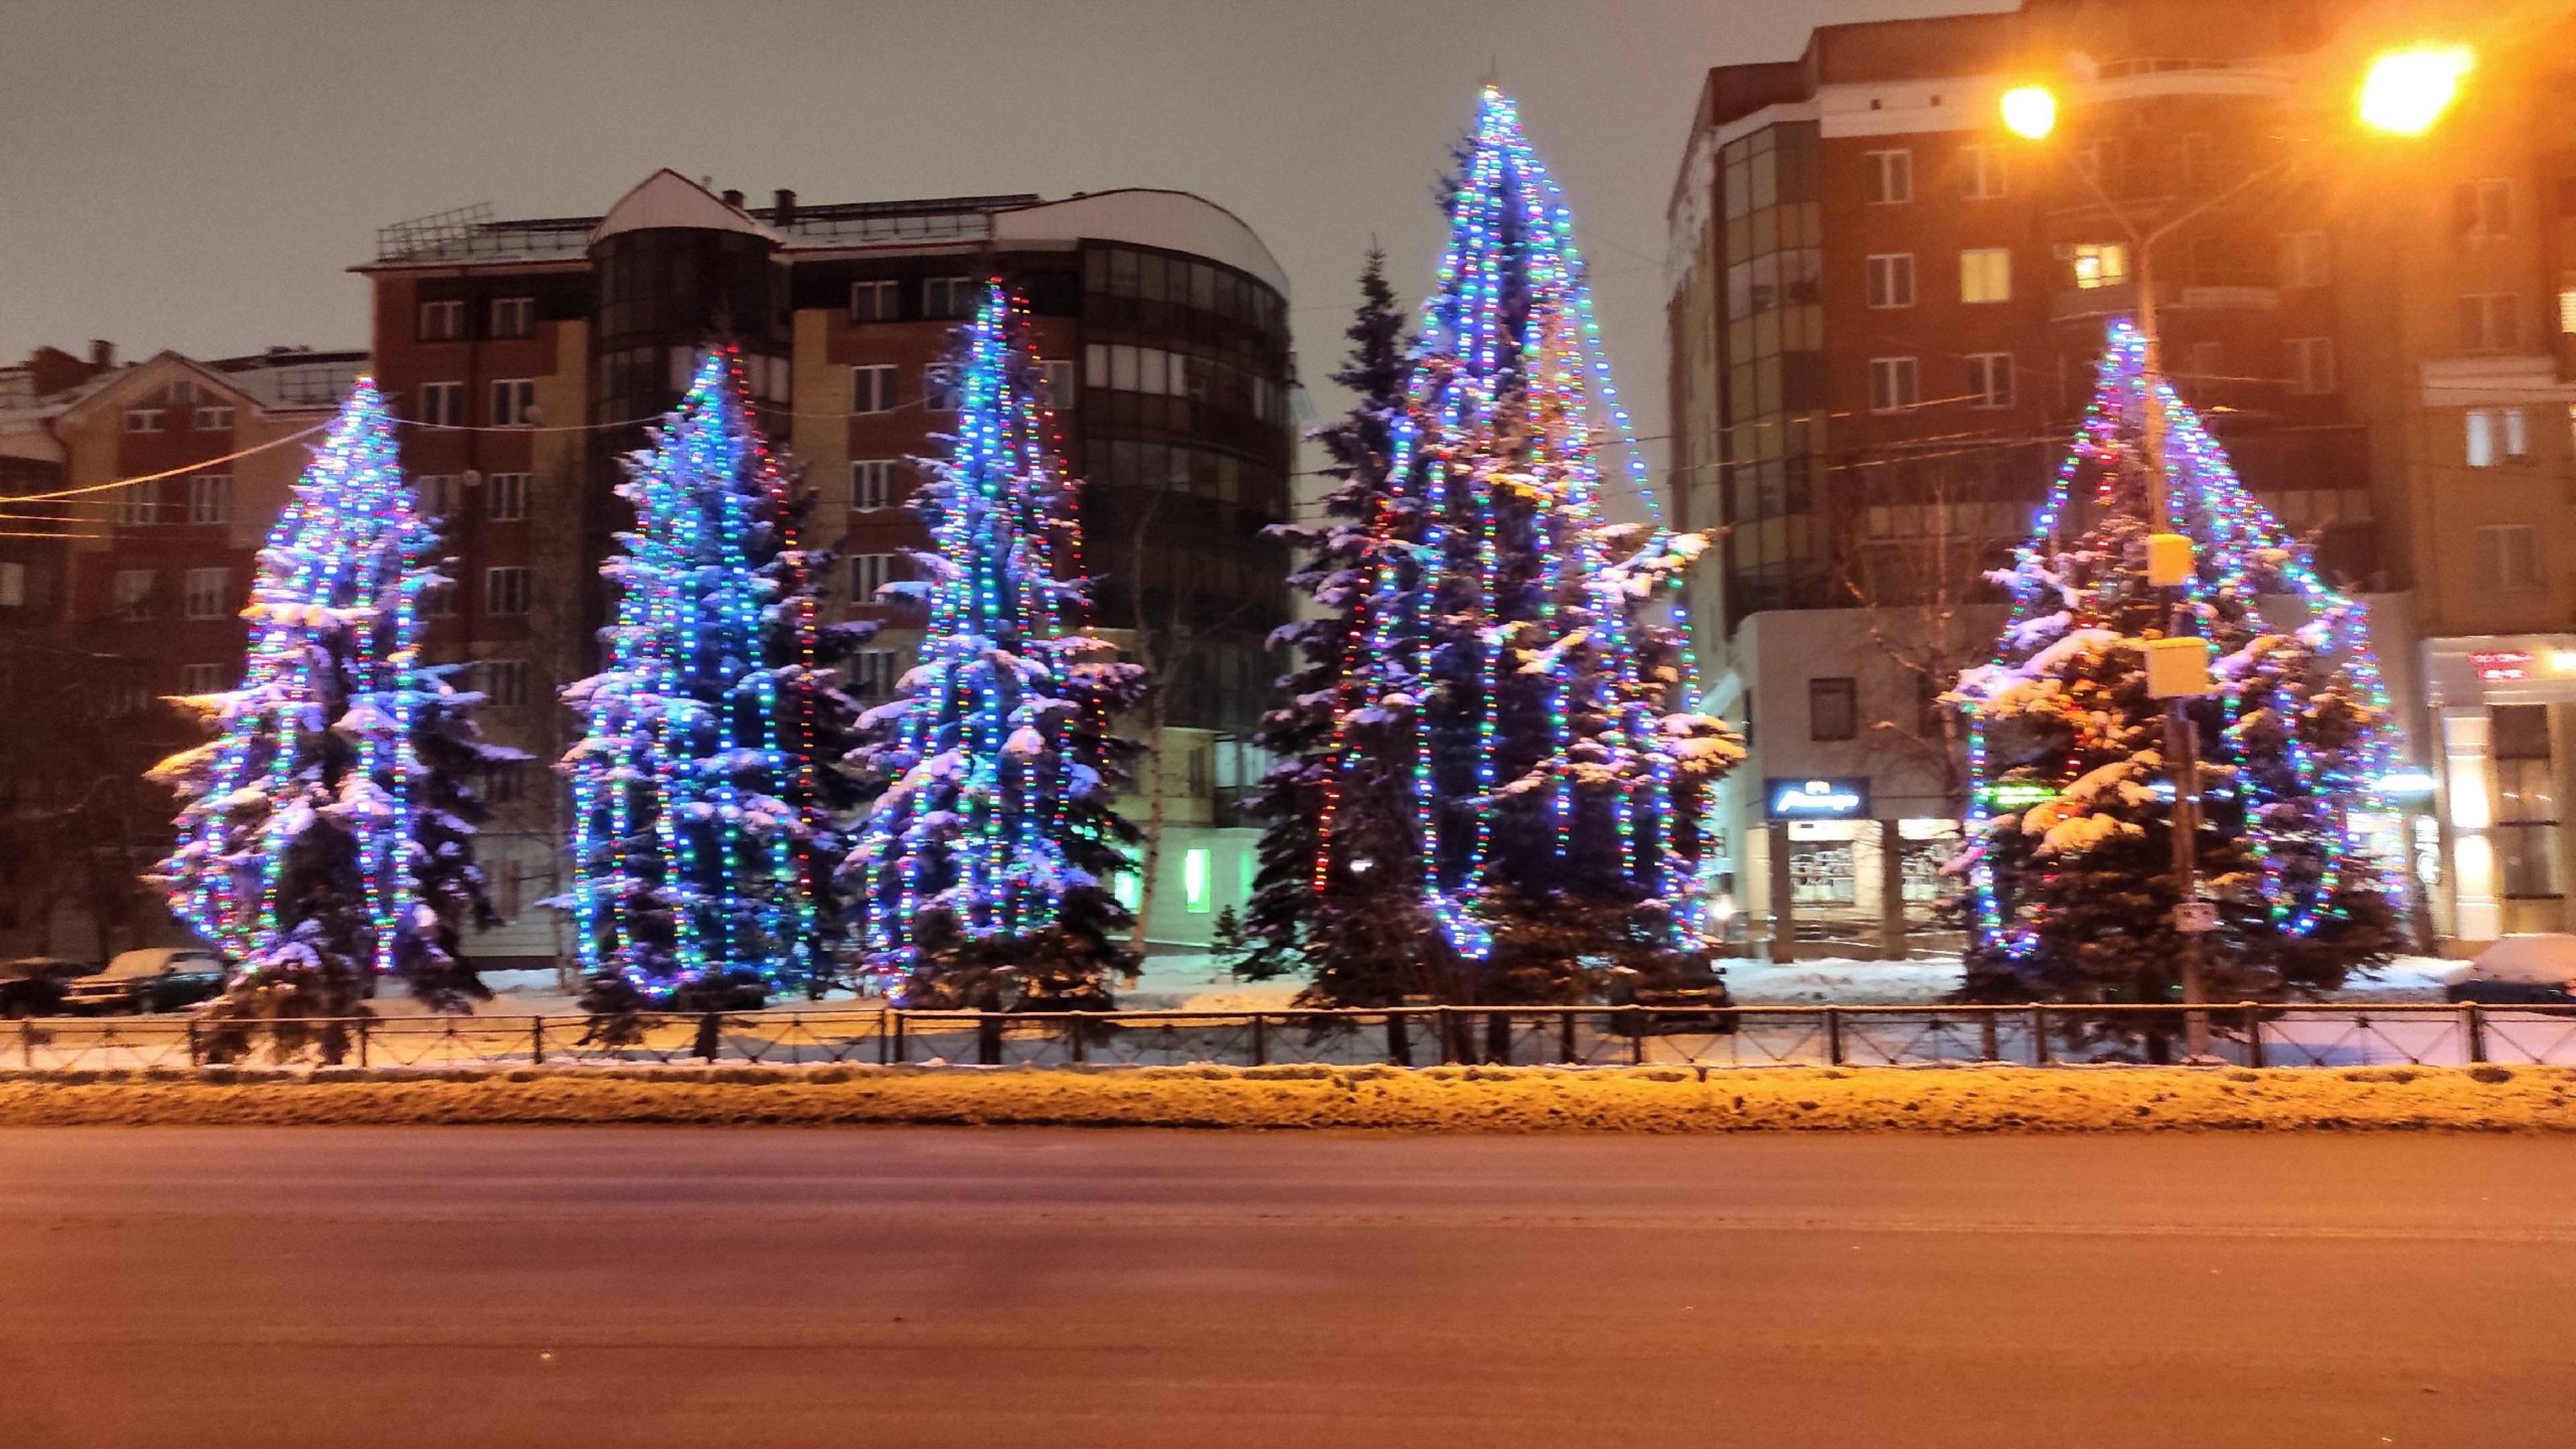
<point x="639" y="1287"/>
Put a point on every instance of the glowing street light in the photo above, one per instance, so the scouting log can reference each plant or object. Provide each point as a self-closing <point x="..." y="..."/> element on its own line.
<point x="2407" y="91"/>
<point x="2030" y="112"/>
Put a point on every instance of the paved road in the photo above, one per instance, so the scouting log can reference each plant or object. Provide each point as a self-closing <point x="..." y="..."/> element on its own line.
<point x="461" y="1288"/>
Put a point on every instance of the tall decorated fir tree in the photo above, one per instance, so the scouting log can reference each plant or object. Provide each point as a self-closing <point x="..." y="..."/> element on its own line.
<point x="1517" y="660"/>
<point x="326" y="833"/>
<point x="2071" y="887"/>
<point x="1368" y="934"/>
<point x="694" y="801"/>
<point x="981" y="874"/>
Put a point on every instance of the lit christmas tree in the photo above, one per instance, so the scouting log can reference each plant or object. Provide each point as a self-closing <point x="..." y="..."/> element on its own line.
<point x="2071" y="886"/>
<point x="1367" y="935"/>
<point x="327" y="831"/>
<point x="693" y="793"/>
<point x="1516" y="657"/>
<point x="981" y="873"/>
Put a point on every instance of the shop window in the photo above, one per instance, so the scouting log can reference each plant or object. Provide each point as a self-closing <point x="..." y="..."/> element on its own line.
<point x="1822" y="873"/>
<point x="2526" y="814"/>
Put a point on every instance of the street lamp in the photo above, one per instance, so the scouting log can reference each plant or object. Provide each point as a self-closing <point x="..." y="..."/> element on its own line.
<point x="2406" y="93"/>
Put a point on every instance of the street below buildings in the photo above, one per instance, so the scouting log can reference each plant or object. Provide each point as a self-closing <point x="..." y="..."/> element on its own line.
<point x="465" y="1287"/>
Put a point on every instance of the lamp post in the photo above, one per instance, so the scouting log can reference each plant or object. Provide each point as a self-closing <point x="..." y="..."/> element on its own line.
<point x="2406" y="93"/>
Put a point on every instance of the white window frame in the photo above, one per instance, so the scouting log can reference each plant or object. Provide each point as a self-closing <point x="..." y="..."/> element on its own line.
<point x="505" y="497"/>
<point x="2499" y="324"/>
<point x="130" y="592"/>
<point x="1891" y="176"/>
<point x="1988" y="265"/>
<point x="943" y="386"/>
<point x="876" y="673"/>
<point x="213" y="419"/>
<point x="2508" y="556"/>
<point x="450" y="326"/>
<point x="885" y="301"/>
<point x="1989" y="172"/>
<point x="1981" y="380"/>
<point x="210" y="498"/>
<point x="869" y="573"/>
<point x="959" y="298"/>
<point x="2312" y="365"/>
<point x="514" y="317"/>
<point x="513" y="398"/>
<point x="1058" y="373"/>
<point x="138" y="505"/>
<point x="442" y="404"/>
<point x="143" y="420"/>
<point x="1886" y="271"/>
<point x="1884" y="374"/>
<point x="872" y="484"/>
<point x="205" y="593"/>
<point x="505" y="591"/>
<point x="872" y="388"/>
<point x="2496" y="436"/>
<point x="202" y="678"/>
<point x="505" y="682"/>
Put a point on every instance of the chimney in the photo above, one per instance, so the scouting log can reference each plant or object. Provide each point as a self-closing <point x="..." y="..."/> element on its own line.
<point x="102" y="353"/>
<point x="782" y="214"/>
<point x="733" y="199"/>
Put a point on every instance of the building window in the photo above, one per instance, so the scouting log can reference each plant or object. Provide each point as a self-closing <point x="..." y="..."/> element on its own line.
<point x="1984" y="169"/>
<point x="2526" y="803"/>
<point x="2490" y="322"/>
<point x="442" y="404"/>
<point x="2101" y="264"/>
<point x="875" y="301"/>
<point x="505" y="591"/>
<point x="1985" y="274"/>
<point x="505" y="682"/>
<point x="208" y="591"/>
<point x="504" y="783"/>
<point x="1822" y="873"/>
<point x="871" y="483"/>
<point x="512" y="400"/>
<point x="514" y="316"/>
<point x="2482" y="209"/>
<point x="1891" y="280"/>
<point x="133" y="593"/>
<point x="874" y="673"/>
<point x="2509" y="556"/>
<point x="436" y="493"/>
<point x="438" y="601"/>
<point x="2304" y="260"/>
<point x="505" y="497"/>
<point x="13" y="585"/>
<point x="202" y="678"/>
<point x="138" y="505"/>
<point x="870" y="572"/>
<point x="442" y="321"/>
<point x="949" y="297"/>
<point x="1195" y="882"/>
<point x="213" y="420"/>
<point x="143" y="420"/>
<point x="939" y="387"/>
<point x="1893" y="384"/>
<point x="1059" y="384"/>
<point x="2312" y="364"/>
<point x="1833" y="709"/>
<point x="872" y="388"/>
<point x="1889" y="176"/>
<point x="2497" y="435"/>
<point x="1990" y="379"/>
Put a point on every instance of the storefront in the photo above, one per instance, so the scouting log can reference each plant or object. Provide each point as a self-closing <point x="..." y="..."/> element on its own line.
<point x="2501" y="709"/>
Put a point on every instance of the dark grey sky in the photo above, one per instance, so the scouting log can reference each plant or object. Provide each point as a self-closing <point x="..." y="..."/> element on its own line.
<point x="198" y="176"/>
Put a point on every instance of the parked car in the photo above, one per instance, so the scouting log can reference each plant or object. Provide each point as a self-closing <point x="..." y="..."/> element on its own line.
<point x="2517" y="971"/>
<point x="33" y="985"/>
<point x="157" y="978"/>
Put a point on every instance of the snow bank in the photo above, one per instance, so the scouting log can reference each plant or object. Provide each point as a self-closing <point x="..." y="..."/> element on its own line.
<point x="1440" y="1099"/>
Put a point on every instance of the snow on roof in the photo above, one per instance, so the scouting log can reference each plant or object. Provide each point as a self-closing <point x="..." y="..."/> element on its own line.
<point x="1173" y="220"/>
<point x="668" y="199"/>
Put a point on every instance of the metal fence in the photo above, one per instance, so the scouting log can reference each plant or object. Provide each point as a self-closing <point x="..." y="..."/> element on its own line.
<point x="2247" y="1034"/>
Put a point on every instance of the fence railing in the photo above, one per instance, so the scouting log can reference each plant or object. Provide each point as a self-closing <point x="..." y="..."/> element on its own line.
<point x="2247" y="1034"/>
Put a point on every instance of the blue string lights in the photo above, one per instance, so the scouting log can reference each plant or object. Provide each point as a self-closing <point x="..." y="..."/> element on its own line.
<point x="688" y="838"/>
<point x="2291" y="792"/>
<point x="1521" y="648"/>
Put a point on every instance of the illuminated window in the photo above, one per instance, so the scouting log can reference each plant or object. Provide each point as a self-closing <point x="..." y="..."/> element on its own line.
<point x="1985" y="274"/>
<point x="1124" y="887"/>
<point x="1194" y="880"/>
<point x="2497" y="435"/>
<point x="2103" y="264"/>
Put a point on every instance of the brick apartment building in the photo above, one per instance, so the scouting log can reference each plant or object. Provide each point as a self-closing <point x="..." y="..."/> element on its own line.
<point x="1884" y="311"/>
<point x="521" y="354"/>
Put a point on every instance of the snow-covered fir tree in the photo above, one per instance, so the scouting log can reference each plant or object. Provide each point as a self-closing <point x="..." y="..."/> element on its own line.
<point x="1366" y="935"/>
<point x="326" y="834"/>
<point x="695" y="806"/>
<point x="982" y="873"/>
<point x="2071" y="887"/>
<point x="1516" y="666"/>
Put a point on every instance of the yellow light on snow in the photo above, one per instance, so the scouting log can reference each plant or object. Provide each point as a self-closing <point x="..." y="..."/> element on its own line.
<point x="2407" y="91"/>
<point x="2030" y="112"/>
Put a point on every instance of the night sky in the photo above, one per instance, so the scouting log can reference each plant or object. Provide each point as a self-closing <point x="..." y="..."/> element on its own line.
<point x="199" y="176"/>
